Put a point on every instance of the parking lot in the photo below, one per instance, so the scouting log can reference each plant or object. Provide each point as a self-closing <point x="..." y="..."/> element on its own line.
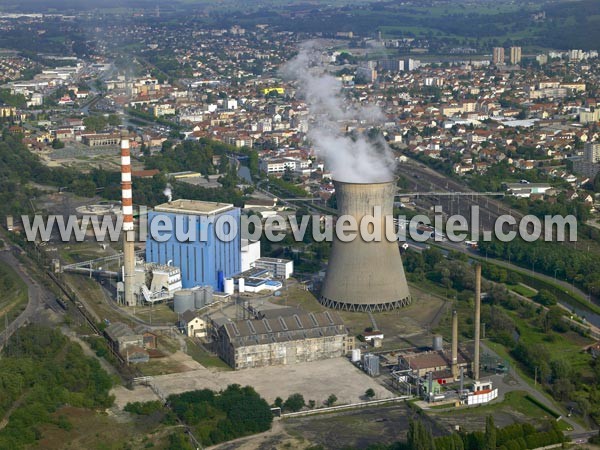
<point x="315" y="381"/>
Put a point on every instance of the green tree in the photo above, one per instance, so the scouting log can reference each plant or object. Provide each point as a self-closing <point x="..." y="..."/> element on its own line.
<point x="419" y="438"/>
<point x="179" y="441"/>
<point x="84" y="188"/>
<point x="596" y="183"/>
<point x="57" y="143"/>
<point x="490" y="434"/>
<point x="554" y="320"/>
<point x="95" y="123"/>
<point x="114" y="120"/>
<point x="294" y="402"/>
<point x="370" y="393"/>
<point x="331" y="400"/>
<point x="545" y="297"/>
<point x="253" y="165"/>
<point x="16" y="100"/>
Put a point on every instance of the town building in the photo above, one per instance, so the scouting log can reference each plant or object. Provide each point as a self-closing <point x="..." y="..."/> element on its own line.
<point x="280" y="268"/>
<point x="498" y="55"/>
<point x="100" y="140"/>
<point x="515" y="55"/>
<point x="192" y="324"/>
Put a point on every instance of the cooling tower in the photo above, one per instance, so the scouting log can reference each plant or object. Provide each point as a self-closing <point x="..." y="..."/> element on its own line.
<point x="361" y="275"/>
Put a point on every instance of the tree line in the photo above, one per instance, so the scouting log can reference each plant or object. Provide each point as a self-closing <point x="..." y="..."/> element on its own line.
<point x="214" y="416"/>
<point x="42" y="370"/>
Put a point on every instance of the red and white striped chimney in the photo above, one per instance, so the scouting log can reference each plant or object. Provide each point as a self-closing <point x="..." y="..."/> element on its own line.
<point x="128" y="232"/>
<point x="127" y="198"/>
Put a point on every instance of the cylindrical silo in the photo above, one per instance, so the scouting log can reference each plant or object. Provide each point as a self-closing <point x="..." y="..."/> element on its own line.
<point x="208" y="295"/>
<point x="183" y="300"/>
<point x="437" y="343"/>
<point x="355" y="355"/>
<point x="365" y="275"/>
<point x="199" y="301"/>
<point x="241" y="285"/>
<point x="228" y="286"/>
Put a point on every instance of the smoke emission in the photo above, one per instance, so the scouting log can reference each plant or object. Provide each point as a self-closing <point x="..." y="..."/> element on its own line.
<point x="168" y="192"/>
<point x="353" y="159"/>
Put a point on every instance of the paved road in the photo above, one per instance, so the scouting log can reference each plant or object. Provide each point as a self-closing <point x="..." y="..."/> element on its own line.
<point x="38" y="296"/>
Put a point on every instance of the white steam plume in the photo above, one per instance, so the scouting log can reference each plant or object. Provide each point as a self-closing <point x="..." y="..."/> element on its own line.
<point x="353" y="159"/>
<point x="168" y="192"/>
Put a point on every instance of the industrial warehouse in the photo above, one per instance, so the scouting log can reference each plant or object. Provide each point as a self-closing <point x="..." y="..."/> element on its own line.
<point x="283" y="339"/>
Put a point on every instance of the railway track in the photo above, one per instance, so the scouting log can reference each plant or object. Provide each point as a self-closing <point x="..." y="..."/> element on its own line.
<point x="425" y="179"/>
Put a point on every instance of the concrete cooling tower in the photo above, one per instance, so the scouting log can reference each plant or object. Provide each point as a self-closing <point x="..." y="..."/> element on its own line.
<point x="365" y="276"/>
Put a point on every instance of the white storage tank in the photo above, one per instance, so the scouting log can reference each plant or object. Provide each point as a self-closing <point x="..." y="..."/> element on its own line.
<point x="356" y="355"/>
<point x="208" y="295"/>
<point x="199" y="300"/>
<point x="229" y="289"/>
<point x="437" y="343"/>
<point x="241" y="285"/>
<point x="183" y="300"/>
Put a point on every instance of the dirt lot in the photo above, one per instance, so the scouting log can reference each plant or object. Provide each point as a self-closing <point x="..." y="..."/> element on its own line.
<point x="349" y="429"/>
<point x="75" y="154"/>
<point x="314" y="380"/>
<point x="99" y="430"/>
<point x="402" y="327"/>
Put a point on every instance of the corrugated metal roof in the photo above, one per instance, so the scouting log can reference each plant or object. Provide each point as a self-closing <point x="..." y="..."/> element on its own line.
<point x="280" y="328"/>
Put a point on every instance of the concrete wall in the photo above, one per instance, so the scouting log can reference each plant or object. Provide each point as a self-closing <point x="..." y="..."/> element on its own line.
<point x="282" y="353"/>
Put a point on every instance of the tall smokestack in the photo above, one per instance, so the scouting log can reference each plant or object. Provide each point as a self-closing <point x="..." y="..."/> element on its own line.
<point x="128" y="232"/>
<point x="454" y="345"/>
<point x="477" y="321"/>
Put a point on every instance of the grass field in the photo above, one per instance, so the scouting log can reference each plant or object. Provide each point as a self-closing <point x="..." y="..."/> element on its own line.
<point x="203" y="357"/>
<point x="503" y="353"/>
<point x="566" y="346"/>
<point x="162" y="366"/>
<point x="101" y="431"/>
<point x="160" y="314"/>
<point x="516" y="406"/>
<point x="523" y="290"/>
<point x="401" y="327"/>
<point x="14" y="298"/>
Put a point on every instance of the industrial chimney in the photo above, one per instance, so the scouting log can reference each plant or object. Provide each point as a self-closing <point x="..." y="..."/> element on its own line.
<point x="361" y="275"/>
<point x="477" y="321"/>
<point x="455" y="345"/>
<point x="128" y="232"/>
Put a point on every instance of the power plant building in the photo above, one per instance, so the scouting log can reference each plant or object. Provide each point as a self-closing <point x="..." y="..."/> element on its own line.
<point x="189" y="239"/>
<point x="283" y="339"/>
<point x="437" y="362"/>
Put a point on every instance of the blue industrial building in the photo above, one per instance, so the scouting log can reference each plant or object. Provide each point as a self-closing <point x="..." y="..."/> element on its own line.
<point x="184" y="233"/>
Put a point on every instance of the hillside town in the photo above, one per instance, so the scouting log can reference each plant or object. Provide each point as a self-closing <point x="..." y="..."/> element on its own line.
<point x="537" y="114"/>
